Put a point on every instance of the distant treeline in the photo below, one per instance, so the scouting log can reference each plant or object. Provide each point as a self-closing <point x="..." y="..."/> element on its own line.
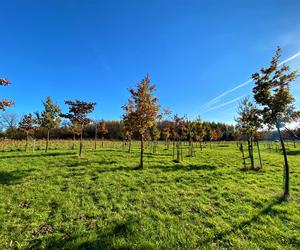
<point x="114" y="131"/>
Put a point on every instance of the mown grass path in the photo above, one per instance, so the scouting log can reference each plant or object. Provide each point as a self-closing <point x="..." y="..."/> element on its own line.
<point x="58" y="201"/>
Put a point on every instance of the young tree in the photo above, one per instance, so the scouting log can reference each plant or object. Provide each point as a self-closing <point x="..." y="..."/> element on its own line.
<point x="216" y="134"/>
<point x="179" y="134"/>
<point x="102" y="131"/>
<point x="75" y="129"/>
<point x="248" y="122"/>
<point x="26" y="125"/>
<point x="127" y="130"/>
<point x="208" y="133"/>
<point x="190" y="131"/>
<point x="142" y="110"/>
<point x="4" y="103"/>
<point x="272" y="93"/>
<point x="198" y="131"/>
<point x="49" y="118"/>
<point x="78" y="111"/>
<point x="154" y="135"/>
<point x="166" y="130"/>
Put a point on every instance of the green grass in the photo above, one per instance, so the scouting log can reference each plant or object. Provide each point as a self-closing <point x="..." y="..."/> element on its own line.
<point x="58" y="201"/>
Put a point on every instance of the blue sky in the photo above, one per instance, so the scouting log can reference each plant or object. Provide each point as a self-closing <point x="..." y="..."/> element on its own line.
<point x="94" y="50"/>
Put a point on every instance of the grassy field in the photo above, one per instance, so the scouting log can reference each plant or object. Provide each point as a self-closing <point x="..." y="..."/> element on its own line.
<point x="55" y="200"/>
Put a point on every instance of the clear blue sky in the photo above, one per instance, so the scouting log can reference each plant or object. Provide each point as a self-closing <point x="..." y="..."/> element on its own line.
<point x="95" y="50"/>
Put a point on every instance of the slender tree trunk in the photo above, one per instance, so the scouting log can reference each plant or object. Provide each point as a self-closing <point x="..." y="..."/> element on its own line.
<point x="243" y="155"/>
<point x="129" y="146"/>
<point x="177" y="151"/>
<point x="286" y="166"/>
<point x="26" y="141"/>
<point x="33" y="147"/>
<point x="200" y="145"/>
<point x="142" y="153"/>
<point x="96" y="137"/>
<point x="81" y="138"/>
<point x="102" y="138"/>
<point x="47" y="141"/>
<point x="173" y="149"/>
<point x="180" y="147"/>
<point x="259" y="155"/>
<point x="250" y="151"/>
<point x="73" y="146"/>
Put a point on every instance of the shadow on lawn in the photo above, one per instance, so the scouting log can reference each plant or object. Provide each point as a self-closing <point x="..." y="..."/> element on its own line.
<point x="8" y="178"/>
<point x="183" y="168"/>
<point x="123" y="230"/>
<point x="105" y="166"/>
<point x="127" y="229"/>
<point x="295" y="152"/>
<point x="37" y="155"/>
<point x="266" y="210"/>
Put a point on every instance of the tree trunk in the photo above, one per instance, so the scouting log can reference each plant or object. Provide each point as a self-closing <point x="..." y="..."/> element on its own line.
<point x="102" y="138"/>
<point x="81" y="138"/>
<point x="259" y="155"/>
<point x="26" y="141"/>
<point x="250" y="151"/>
<point x="173" y="149"/>
<point x="73" y="146"/>
<point x="243" y="155"/>
<point x="47" y="141"/>
<point x="178" y="151"/>
<point x="286" y="166"/>
<point x="95" y="147"/>
<point x="181" y="154"/>
<point x="129" y="146"/>
<point x="142" y="153"/>
<point x="33" y="147"/>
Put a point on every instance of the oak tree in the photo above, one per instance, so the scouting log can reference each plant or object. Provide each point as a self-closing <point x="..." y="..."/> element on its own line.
<point x="26" y="125"/>
<point x="142" y="110"/>
<point x="78" y="111"/>
<point x="49" y="118"/>
<point x="272" y="93"/>
<point x="248" y="122"/>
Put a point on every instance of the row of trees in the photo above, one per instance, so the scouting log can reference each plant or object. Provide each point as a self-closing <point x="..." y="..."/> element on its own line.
<point x="50" y="118"/>
<point x="142" y="116"/>
<point x="114" y="130"/>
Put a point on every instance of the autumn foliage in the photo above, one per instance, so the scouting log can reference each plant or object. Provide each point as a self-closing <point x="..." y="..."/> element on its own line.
<point x="142" y="110"/>
<point x="4" y="102"/>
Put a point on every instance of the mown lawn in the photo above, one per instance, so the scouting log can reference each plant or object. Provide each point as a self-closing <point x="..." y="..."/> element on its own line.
<point x="58" y="201"/>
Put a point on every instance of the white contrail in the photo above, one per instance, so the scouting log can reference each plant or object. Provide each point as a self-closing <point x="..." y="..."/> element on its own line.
<point x="223" y="104"/>
<point x="216" y="99"/>
<point x="207" y="105"/>
<point x="290" y="58"/>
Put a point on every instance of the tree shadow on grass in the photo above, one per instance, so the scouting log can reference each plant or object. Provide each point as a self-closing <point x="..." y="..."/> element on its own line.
<point x="104" y="239"/>
<point x="85" y="163"/>
<point x="37" y="155"/>
<point x="295" y="152"/>
<point x="183" y="167"/>
<point x="12" y="177"/>
<point x="265" y="211"/>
